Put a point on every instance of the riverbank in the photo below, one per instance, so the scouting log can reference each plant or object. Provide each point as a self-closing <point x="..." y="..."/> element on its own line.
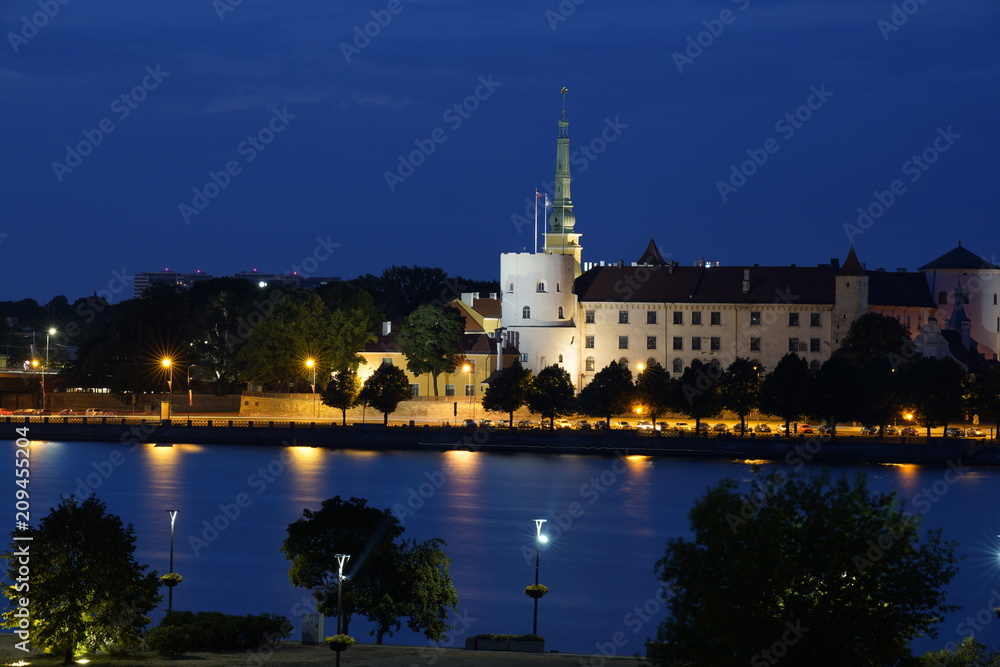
<point x="793" y="450"/>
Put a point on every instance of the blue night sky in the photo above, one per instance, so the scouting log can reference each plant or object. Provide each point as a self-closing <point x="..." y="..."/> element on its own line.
<point x="309" y="118"/>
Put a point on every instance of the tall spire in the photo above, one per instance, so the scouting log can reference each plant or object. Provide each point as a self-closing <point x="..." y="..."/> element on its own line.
<point x="562" y="219"/>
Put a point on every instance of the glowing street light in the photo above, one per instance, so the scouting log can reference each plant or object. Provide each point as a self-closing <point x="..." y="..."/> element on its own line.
<point x="341" y="560"/>
<point x="168" y="363"/>
<point x="311" y="364"/>
<point x="539" y="540"/>
<point x="469" y="388"/>
<point x="50" y="332"/>
<point x="170" y="589"/>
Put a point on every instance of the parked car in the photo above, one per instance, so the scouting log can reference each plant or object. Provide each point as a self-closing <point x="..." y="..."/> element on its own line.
<point x="762" y="428"/>
<point x="662" y="426"/>
<point x="869" y="430"/>
<point x="825" y="429"/>
<point x="891" y="430"/>
<point x="703" y="427"/>
<point x="563" y="423"/>
<point x="974" y="432"/>
<point x="5" y="411"/>
<point x="954" y="432"/>
<point x="721" y="428"/>
<point x="742" y="428"/>
<point x="682" y="426"/>
<point x="782" y="428"/>
<point x="468" y="423"/>
<point x="909" y="430"/>
<point x="486" y="423"/>
<point x="583" y="425"/>
<point x="803" y="428"/>
<point x="644" y="426"/>
<point x="623" y="425"/>
<point x="601" y="426"/>
<point x="526" y="423"/>
<point x="503" y="423"/>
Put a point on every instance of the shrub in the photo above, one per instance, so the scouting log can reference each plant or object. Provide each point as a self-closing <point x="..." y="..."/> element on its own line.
<point x="170" y="641"/>
<point x="215" y="631"/>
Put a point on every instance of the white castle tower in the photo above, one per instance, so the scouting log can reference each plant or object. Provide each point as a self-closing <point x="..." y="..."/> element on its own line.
<point x="538" y="305"/>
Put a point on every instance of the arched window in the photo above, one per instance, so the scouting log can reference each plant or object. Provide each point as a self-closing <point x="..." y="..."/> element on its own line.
<point x="623" y="362"/>
<point x="560" y="359"/>
<point x="650" y="362"/>
<point x="589" y="364"/>
<point x="526" y="313"/>
<point x="558" y="288"/>
<point x="942" y="298"/>
<point x="561" y="315"/>
<point x="678" y="366"/>
<point x="541" y="287"/>
<point x="511" y="288"/>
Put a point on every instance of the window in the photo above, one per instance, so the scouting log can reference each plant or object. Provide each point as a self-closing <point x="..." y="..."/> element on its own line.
<point x="470" y="390"/>
<point x="541" y="287"/>
<point x="387" y="361"/>
<point x="650" y="342"/>
<point x="561" y="313"/>
<point x="623" y="342"/>
<point x="715" y="343"/>
<point x="814" y="319"/>
<point x="678" y="366"/>
<point x="793" y="319"/>
<point x="588" y="316"/>
<point x="588" y="342"/>
<point x="755" y="318"/>
<point x="696" y="343"/>
<point x="524" y="357"/>
<point x="942" y="298"/>
<point x="650" y="362"/>
<point x="678" y="317"/>
<point x="715" y="318"/>
<point x="560" y="359"/>
<point x="814" y="344"/>
<point x="755" y="344"/>
<point x="650" y="317"/>
<point x="558" y="288"/>
<point x="449" y="390"/>
<point x="994" y="299"/>
<point x="588" y="364"/>
<point x="622" y="317"/>
<point x="696" y="318"/>
<point x="678" y="343"/>
<point x="793" y="344"/>
<point x="526" y="313"/>
<point x="510" y="288"/>
<point x="415" y="390"/>
<point x="623" y="362"/>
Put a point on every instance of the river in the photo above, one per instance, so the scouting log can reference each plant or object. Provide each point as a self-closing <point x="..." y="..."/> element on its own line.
<point x="608" y="520"/>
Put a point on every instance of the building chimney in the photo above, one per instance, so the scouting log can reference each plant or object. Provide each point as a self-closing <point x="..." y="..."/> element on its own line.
<point x="493" y="295"/>
<point x="835" y="263"/>
<point x="467" y="298"/>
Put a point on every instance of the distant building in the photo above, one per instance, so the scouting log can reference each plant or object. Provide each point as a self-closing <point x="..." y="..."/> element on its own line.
<point x="557" y="309"/>
<point x="168" y="277"/>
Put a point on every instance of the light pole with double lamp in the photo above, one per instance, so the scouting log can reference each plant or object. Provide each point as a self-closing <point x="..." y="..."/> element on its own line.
<point x="170" y="588"/>
<point x="539" y="540"/>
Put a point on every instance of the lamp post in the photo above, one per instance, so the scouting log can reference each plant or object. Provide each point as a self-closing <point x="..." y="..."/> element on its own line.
<point x="539" y="540"/>
<point x="170" y="589"/>
<point x="50" y="332"/>
<point x="190" y="394"/>
<point x="341" y="559"/>
<point x="467" y="368"/>
<point x="168" y="363"/>
<point x="311" y="364"/>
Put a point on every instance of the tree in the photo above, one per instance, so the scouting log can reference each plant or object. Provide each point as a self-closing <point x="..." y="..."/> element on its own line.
<point x="968" y="653"/>
<point x="933" y="388"/>
<point x="740" y="389"/>
<point x="836" y="390"/>
<point x="609" y="393"/>
<point x="90" y="592"/>
<point x="385" y="389"/>
<point x="697" y="392"/>
<point x="508" y="391"/>
<point x="984" y="396"/>
<point x="552" y="394"/>
<point x="875" y="335"/>
<point x="390" y="578"/>
<point x="342" y="392"/>
<point x="789" y="390"/>
<point x="653" y="389"/>
<point x="878" y="393"/>
<point x="836" y="573"/>
<point x="431" y="340"/>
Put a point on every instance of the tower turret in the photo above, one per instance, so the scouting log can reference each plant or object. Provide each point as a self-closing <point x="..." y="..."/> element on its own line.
<point x="560" y="238"/>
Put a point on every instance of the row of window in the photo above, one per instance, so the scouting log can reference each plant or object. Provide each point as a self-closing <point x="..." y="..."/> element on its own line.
<point x="676" y="366"/>
<point x="714" y="343"/>
<point x="449" y="390"/>
<point x="526" y="313"/>
<point x="714" y="318"/>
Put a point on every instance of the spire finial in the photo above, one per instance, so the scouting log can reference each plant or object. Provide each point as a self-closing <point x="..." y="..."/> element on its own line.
<point x="563" y="93"/>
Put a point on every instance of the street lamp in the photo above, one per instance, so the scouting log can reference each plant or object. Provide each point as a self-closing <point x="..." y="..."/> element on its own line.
<point x="170" y="589"/>
<point x="539" y="540"/>
<point x="311" y="364"/>
<point x="467" y="368"/>
<point x="341" y="559"/>
<point x="190" y="394"/>
<point x="168" y="363"/>
<point x="50" y="332"/>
